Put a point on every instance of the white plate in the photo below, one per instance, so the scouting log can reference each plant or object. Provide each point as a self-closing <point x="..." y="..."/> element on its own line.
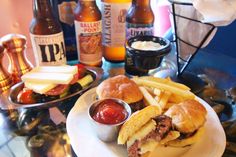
<point x="86" y="144"/>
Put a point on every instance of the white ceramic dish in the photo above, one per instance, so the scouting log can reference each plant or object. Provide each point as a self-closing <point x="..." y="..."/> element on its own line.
<point x="86" y="144"/>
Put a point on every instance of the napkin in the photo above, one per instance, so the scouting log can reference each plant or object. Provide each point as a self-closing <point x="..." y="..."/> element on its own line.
<point x="217" y="12"/>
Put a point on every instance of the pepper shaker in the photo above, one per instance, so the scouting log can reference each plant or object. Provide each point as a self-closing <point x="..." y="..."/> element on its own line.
<point x="5" y="79"/>
<point x="15" y="44"/>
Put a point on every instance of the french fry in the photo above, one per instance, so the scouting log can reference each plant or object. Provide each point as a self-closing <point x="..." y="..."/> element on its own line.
<point x="147" y="147"/>
<point x="176" y="99"/>
<point x="157" y="98"/>
<point x="172" y="135"/>
<point x="169" y="79"/>
<point x="166" y="87"/>
<point x="166" y="81"/>
<point x="149" y="99"/>
<point x="157" y="92"/>
<point x="150" y="90"/>
<point x="178" y="85"/>
<point x="169" y="104"/>
<point x="164" y="99"/>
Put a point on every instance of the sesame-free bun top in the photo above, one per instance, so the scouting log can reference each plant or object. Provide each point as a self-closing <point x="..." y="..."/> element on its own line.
<point x="136" y="122"/>
<point x="187" y="116"/>
<point x="120" y="87"/>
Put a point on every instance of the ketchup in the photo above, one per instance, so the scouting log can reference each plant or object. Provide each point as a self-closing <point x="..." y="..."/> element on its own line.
<point x="109" y="112"/>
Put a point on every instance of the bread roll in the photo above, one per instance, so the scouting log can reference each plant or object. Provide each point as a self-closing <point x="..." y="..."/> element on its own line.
<point x="187" y="116"/>
<point x="187" y="141"/>
<point x="136" y="121"/>
<point x="120" y="87"/>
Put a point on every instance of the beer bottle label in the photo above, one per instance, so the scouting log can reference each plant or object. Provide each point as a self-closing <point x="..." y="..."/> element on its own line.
<point x="49" y="49"/>
<point x="133" y="29"/>
<point x="66" y="17"/>
<point x="89" y="41"/>
<point x="65" y="11"/>
<point x="113" y="23"/>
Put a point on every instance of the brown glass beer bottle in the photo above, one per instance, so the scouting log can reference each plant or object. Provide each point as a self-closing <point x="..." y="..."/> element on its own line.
<point x="140" y="19"/>
<point x="88" y="28"/>
<point x="46" y="35"/>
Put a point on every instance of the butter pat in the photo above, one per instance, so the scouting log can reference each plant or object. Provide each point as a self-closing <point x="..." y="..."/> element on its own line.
<point x="40" y="88"/>
<point x="66" y="69"/>
<point x="45" y="77"/>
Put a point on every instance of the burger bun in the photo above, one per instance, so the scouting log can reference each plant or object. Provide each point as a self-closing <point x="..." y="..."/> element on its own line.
<point x="120" y="87"/>
<point x="187" y="116"/>
<point x="137" y="121"/>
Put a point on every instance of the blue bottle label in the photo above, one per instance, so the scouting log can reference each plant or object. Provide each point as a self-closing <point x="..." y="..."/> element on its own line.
<point x="66" y="17"/>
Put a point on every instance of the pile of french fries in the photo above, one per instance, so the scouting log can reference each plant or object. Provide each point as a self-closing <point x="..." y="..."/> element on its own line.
<point x="162" y="92"/>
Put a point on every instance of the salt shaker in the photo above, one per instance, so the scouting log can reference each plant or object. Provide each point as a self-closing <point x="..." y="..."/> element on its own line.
<point x="15" y="45"/>
<point x="5" y="78"/>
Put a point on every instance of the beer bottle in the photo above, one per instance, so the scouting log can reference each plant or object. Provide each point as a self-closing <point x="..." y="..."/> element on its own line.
<point x="113" y="28"/>
<point x="88" y="28"/>
<point x="65" y="13"/>
<point x="46" y="35"/>
<point x="140" y="19"/>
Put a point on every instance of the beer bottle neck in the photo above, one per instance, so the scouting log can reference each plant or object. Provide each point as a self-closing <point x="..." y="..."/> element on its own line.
<point x="141" y="3"/>
<point x="42" y="8"/>
<point x="88" y="3"/>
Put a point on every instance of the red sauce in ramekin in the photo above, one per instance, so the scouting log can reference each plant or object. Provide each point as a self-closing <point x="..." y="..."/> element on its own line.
<point x="109" y="112"/>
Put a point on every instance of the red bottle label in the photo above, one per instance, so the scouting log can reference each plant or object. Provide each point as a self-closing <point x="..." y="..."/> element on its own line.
<point x="89" y="41"/>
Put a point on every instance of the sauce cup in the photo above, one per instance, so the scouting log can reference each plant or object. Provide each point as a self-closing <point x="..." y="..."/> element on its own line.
<point x="139" y="61"/>
<point x="107" y="128"/>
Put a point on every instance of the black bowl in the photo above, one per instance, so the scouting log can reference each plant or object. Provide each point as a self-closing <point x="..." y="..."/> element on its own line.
<point x="69" y="99"/>
<point x="138" y="62"/>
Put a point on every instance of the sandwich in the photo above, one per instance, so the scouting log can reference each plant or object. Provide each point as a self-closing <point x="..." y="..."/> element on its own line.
<point x="46" y="83"/>
<point x="142" y="128"/>
<point x="179" y="126"/>
<point x="188" y="117"/>
<point x="121" y="87"/>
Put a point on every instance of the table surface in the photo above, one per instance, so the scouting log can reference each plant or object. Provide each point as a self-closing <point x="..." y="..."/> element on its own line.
<point x="25" y="133"/>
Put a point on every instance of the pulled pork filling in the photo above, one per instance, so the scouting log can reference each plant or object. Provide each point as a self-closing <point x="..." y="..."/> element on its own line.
<point x="163" y="126"/>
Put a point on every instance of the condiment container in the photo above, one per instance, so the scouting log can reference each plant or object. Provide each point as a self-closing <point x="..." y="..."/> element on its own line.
<point x="139" y="61"/>
<point x="101" y="111"/>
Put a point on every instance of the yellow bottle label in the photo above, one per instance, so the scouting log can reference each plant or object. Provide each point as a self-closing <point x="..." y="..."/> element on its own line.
<point x="113" y="23"/>
<point x="89" y="41"/>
